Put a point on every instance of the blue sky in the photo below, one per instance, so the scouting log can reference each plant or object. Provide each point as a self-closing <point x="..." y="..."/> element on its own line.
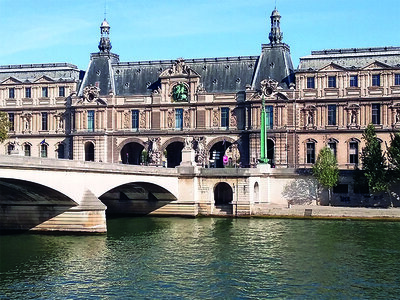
<point x="46" y="31"/>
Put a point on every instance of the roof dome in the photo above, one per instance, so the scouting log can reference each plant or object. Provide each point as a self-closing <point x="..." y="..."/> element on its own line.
<point x="105" y="24"/>
<point x="275" y="12"/>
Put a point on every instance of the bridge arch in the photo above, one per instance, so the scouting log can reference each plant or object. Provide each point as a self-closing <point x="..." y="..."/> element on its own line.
<point x="29" y="204"/>
<point x="136" y="198"/>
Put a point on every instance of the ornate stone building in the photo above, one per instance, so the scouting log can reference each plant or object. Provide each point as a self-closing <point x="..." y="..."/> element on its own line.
<point x="148" y="111"/>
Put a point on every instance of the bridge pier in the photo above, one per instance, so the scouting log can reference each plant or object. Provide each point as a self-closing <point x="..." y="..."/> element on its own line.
<point x="88" y="217"/>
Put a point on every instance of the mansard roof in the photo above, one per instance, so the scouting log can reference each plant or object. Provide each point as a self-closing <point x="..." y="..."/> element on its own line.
<point x="354" y="58"/>
<point x="32" y="72"/>
<point x="217" y="75"/>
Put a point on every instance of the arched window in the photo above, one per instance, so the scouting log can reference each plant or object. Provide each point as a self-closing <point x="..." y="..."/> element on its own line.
<point x="353" y="151"/>
<point x="27" y="150"/>
<point x="10" y="148"/>
<point x="310" y="152"/>
<point x="61" y="151"/>
<point x="89" y="151"/>
<point x="256" y="192"/>
<point x="43" y="150"/>
<point x="332" y="144"/>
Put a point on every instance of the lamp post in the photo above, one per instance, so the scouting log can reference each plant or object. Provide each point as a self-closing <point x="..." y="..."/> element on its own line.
<point x="263" y="142"/>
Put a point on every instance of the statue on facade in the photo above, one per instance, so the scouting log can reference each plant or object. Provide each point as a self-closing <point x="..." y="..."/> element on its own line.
<point x="142" y="121"/>
<point x="200" y="152"/>
<point x="233" y="119"/>
<point x="154" y="152"/>
<point x="170" y="119"/>
<point x="215" y="119"/>
<point x="188" y="143"/>
<point x="397" y="116"/>
<point x="310" y="118"/>
<point x="353" y="120"/>
<point x="186" y="119"/>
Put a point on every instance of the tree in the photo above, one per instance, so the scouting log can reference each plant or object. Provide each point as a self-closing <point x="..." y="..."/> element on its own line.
<point x="4" y="126"/>
<point x="373" y="162"/>
<point x="394" y="158"/>
<point x="326" y="170"/>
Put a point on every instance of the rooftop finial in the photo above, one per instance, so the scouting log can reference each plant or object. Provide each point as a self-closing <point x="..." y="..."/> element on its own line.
<point x="105" y="44"/>
<point x="275" y="36"/>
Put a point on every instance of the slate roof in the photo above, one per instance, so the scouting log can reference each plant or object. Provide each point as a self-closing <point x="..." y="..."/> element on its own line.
<point x="354" y="58"/>
<point x="31" y="72"/>
<point x="218" y="75"/>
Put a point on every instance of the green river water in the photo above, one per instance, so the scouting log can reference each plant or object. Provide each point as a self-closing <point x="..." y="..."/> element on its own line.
<point x="206" y="258"/>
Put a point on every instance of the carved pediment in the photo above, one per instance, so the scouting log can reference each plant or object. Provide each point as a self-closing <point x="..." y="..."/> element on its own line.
<point x="91" y="94"/>
<point x="11" y="80"/>
<point x="179" y="68"/>
<point x="332" y="67"/>
<point x="44" y="79"/>
<point x="376" y="65"/>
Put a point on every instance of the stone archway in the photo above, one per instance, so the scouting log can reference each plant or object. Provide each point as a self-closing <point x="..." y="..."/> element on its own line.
<point x="172" y="151"/>
<point x="223" y="197"/>
<point x="174" y="154"/>
<point x="217" y="148"/>
<point x="132" y="154"/>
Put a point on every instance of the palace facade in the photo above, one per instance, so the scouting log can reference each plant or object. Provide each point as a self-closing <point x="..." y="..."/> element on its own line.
<point x="146" y="112"/>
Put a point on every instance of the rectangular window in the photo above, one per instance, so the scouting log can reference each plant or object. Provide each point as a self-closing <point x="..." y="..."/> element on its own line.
<point x="353" y="152"/>
<point x="11" y="121"/>
<point x="135" y="119"/>
<point x="332" y="146"/>
<point x="28" y="92"/>
<point x="332" y="114"/>
<point x="376" y="114"/>
<point x="310" y="82"/>
<point x="27" y="150"/>
<point x="90" y="119"/>
<point x="225" y="117"/>
<point x="43" y="150"/>
<point x="396" y="79"/>
<point x="269" y="114"/>
<point x="45" y="92"/>
<point x="179" y="118"/>
<point x="332" y="81"/>
<point x="353" y="80"/>
<point x="44" y="121"/>
<point x="11" y="93"/>
<point x="310" y="153"/>
<point x="61" y="91"/>
<point x="376" y="80"/>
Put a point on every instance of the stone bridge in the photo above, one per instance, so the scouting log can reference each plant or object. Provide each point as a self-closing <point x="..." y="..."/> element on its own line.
<point x="67" y="195"/>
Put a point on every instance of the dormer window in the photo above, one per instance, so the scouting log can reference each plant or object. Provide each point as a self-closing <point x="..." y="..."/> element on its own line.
<point x="45" y="92"/>
<point x="28" y="92"/>
<point x="11" y="93"/>
<point x="396" y="79"/>
<point x="353" y="80"/>
<point x="61" y="91"/>
<point x="376" y="80"/>
<point x="331" y="81"/>
<point x="310" y="82"/>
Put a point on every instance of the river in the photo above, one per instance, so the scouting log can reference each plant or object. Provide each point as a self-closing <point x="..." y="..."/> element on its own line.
<point x="206" y="258"/>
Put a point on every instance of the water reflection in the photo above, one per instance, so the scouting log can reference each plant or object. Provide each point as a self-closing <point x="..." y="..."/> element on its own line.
<point x="206" y="258"/>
